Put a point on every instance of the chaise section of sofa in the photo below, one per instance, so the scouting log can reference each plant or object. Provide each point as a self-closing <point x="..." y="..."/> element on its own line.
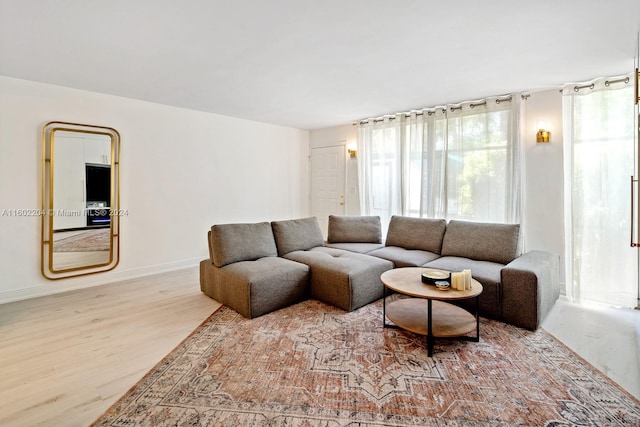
<point x="345" y="279"/>
<point x="244" y="272"/>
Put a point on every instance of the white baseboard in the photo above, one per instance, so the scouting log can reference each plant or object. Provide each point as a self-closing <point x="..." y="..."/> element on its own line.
<point x="93" y="280"/>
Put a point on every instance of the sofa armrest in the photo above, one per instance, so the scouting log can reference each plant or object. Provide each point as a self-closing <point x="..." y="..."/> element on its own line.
<point x="530" y="288"/>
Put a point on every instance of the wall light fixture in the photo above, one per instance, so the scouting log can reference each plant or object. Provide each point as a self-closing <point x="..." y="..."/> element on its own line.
<point x="542" y="135"/>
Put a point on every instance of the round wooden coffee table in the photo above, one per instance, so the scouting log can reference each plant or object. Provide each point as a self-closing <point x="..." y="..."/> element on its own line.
<point x="428" y="312"/>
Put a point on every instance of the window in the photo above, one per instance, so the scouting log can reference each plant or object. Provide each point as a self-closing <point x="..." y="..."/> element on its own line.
<point x="455" y="162"/>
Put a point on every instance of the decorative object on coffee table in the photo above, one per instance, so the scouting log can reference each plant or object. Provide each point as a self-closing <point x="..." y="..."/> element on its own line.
<point x="443" y="285"/>
<point x="430" y="277"/>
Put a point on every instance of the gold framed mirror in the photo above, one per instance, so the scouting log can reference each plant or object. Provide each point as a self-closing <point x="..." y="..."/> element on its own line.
<point x="80" y="199"/>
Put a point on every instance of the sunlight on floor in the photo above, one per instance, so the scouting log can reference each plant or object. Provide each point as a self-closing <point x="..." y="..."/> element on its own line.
<point x="607" y="337"/>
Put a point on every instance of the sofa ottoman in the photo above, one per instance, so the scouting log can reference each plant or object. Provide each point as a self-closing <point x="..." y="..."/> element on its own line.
<point x="339" y="277"/>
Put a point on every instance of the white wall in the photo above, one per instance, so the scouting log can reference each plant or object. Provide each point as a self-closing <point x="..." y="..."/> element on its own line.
<point x="543" y="186"/>
<point x="181" y="172"/>
<point x="543" y="226"/>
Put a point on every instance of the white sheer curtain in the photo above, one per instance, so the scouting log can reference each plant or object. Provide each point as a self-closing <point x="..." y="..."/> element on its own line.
<point x="380" y="168"/>
<point x="483" y="161"/>
<point x="454" y="162"/>
<point x="599" y="161"/>
<point x="427" y="162"/>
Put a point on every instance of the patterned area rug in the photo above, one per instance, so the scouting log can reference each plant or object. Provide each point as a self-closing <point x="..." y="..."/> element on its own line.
<point x="315" y="365"/>
<point x="87" y="241"/>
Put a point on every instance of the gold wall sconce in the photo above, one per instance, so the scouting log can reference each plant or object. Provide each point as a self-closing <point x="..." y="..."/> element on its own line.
<point x="542" y="135"/>
<point x="351" y="149"/>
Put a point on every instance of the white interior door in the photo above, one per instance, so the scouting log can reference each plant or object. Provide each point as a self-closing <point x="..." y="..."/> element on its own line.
<point x="327" y="183"/>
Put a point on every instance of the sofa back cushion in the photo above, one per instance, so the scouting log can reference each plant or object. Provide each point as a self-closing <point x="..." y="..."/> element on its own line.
<point x="416" y="233"/>
<point x="354" y="229"/>
<point x="297" y="234"/>
<point x="481" y="241"/>
<point x="231" y="243"/>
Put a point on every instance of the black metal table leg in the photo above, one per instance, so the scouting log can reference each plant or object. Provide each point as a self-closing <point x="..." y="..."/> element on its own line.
<point x="477" y="319"/>
<point x="429" y="329"/>
<point x="384" y="306"/>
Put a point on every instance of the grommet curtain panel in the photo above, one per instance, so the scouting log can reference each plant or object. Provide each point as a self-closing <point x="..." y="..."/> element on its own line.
<point x="455" y="162"/>
<point x="598" y="128"/>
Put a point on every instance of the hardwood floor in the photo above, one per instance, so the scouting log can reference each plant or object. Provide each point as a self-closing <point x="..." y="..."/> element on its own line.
<point x="66" y="358"/>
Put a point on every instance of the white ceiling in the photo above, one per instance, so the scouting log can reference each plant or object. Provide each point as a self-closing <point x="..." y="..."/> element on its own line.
<point x="313" y="64"/>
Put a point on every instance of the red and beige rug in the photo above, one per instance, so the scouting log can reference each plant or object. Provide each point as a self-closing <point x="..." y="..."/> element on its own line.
<point x="314" y="365"/>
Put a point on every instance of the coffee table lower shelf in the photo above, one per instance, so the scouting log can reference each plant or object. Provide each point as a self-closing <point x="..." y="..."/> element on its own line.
<point x="447" y="320"/>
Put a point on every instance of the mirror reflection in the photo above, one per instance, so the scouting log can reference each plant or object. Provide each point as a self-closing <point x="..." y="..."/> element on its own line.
<point x="80" y="199"/>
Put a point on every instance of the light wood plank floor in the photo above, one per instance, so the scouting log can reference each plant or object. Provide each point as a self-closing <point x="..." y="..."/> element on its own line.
<point x="66" y="358"/>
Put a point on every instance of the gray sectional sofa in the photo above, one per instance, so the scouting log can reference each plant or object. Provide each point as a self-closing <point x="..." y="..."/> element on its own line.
<point x="259" y="268"/>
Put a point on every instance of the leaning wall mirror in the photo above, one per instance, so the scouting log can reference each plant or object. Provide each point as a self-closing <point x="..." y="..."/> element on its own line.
<point x="80" y="199"/>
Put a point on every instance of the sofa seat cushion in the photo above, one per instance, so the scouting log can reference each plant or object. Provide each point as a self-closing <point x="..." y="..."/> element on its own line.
<point x="416" y="233"/>
<point x="485" y="272"/>
<point x="344" y="279"/>
<point x="361" y="248"/>
<point x="402" y="257"/>
<point x="229" y="243"/>
<point x="481" y="241"/>
<point x="297" y="234"/>
<point x="254" y="288"/>
<point x="354" y="229"/>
